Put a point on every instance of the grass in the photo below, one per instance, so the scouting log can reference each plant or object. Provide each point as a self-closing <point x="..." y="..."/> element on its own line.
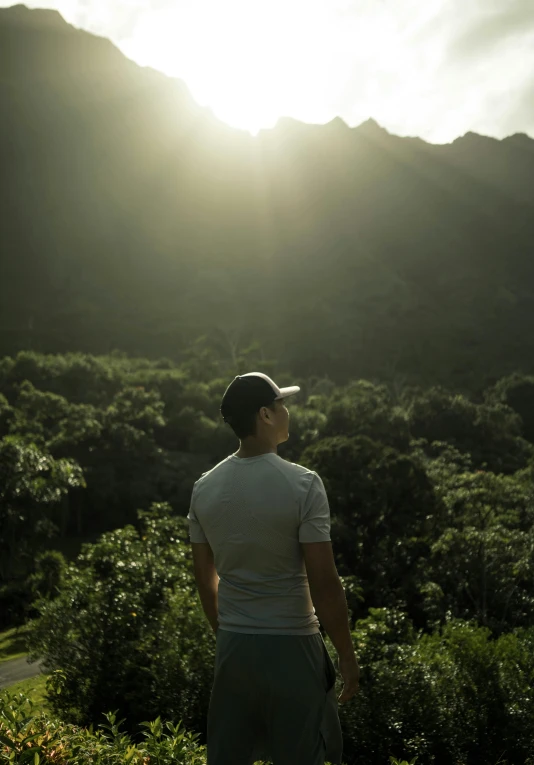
<point x="13" y="646"/>
<point x="33" y="688"/>
<point x="13" y="643"/>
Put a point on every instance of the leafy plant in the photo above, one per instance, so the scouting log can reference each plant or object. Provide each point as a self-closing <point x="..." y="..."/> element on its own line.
<point x="127" y="630"/>
<point x="36" y="739"/>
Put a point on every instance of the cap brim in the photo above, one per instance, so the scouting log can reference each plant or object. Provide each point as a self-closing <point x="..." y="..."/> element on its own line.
<point x="286" y="392"/>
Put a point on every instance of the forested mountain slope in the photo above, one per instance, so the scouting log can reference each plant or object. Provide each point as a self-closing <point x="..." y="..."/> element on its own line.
<point x="131" y="218"/>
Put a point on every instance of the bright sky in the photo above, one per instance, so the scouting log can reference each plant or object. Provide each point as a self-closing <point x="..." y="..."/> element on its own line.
<point x="432" y="68"/>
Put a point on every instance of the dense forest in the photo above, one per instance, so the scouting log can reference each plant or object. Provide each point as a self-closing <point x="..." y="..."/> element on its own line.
<point x="432" y="528"/>
<point x="133" y="219"/>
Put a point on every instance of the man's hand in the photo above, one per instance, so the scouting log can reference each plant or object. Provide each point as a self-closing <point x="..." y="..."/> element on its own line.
<point x="350" y="672"/>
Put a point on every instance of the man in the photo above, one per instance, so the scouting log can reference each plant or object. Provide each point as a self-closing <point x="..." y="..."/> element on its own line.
<point x="260" y="534"/>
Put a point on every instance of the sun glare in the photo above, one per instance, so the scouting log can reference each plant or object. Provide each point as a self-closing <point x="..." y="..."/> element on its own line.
<point x="250" y="62"/>
<point x="254" y="61"/>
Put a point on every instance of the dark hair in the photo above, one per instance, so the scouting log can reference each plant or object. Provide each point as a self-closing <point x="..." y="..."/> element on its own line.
<point x="244" y="423"/>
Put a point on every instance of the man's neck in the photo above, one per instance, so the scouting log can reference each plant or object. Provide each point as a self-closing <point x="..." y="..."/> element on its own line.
<point x="254" y="448"/>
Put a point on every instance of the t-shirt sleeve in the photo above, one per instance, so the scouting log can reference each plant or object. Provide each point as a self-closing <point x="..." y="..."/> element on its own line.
<point x="195" y="529"/>
<point x="315" y="516"/>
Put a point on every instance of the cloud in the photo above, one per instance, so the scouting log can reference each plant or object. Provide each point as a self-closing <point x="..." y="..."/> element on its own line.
<point x="453" y="67"/>
<point x="487" y="69"/>
<point x="494" y="26"/>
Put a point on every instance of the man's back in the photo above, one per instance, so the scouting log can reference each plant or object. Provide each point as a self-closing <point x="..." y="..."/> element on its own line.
<point x="267" y="525"/>
<point x="254" y="513"/>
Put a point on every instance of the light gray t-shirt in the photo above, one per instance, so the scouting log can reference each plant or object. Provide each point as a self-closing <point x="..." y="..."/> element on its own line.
<point x="254" y="513"/>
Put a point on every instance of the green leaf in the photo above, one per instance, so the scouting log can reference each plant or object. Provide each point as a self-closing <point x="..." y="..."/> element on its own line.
<point x="30" y="754"/>
<point x="7" y="741"/>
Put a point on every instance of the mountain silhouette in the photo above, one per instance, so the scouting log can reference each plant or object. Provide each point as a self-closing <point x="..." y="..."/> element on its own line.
<point x="133" y="219"/>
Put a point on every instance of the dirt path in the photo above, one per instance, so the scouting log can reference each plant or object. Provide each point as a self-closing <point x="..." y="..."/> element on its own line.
<point x="15" y="670"/>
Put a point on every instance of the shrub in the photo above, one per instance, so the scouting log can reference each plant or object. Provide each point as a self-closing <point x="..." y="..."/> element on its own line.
<point x="36" y="739"/>
<point x="456" y="696"/>
<point x="127" y="631"/>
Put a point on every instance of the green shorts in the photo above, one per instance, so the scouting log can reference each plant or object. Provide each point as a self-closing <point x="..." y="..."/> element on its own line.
<point x="273" y="699"/>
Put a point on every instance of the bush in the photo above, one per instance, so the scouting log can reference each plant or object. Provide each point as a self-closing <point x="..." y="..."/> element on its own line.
<point x="456" y="696"/>
<point x="34" y="739"/>
<point x="37" y="739"/>
<point x="127" y="631"/>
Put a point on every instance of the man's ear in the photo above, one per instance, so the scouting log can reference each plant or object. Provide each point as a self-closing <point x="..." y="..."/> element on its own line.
<point x="265" y="414"/>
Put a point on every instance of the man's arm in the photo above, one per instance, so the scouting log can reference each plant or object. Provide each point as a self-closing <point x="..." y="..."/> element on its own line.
<point x="207" y="581"/>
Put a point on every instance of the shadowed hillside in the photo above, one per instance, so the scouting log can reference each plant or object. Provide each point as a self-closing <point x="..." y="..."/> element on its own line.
<point x="133" y="219"/>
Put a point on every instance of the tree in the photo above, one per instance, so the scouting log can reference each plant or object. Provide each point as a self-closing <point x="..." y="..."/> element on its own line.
<point x="367" y="409"/>
<point x="31" y="482"/>
<point x="32" y="486"/>
<point x="481" y="564"/>
<point x="489" y="432"/>
<point x="127" y="630"/>
<point x="383" y="511"/>
<point x="517" y="392"/>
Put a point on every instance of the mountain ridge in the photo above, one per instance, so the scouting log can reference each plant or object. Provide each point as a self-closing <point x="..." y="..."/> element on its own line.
<point x="43" y="17"/>
<point x="133" y="218"/>
<point x="22" y="14"/>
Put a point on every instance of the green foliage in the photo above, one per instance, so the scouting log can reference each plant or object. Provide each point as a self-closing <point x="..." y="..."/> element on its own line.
<point x="6" y="414"/>
<point x="450" y="696"/>
<point x="383" y="510"/>
<point x="142" y="431"/>
<point x="126" y="422"/>
<point x="126" y="630"/>
<point x="366" y="409"/>
<point x="431" y="497"/>
<point x="33" y="689"/>
<point x="517" y="392"/>
<point x="49" y="572"/>
<point x="32" y="484"/>
<point x="27" y="738"/>
<point x="490" y="432"/>
<point x="455" y="695"/>
<point x="481" y="561"/>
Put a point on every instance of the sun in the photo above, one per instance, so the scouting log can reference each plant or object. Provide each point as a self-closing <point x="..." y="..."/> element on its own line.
<point x="251" y="62"/>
